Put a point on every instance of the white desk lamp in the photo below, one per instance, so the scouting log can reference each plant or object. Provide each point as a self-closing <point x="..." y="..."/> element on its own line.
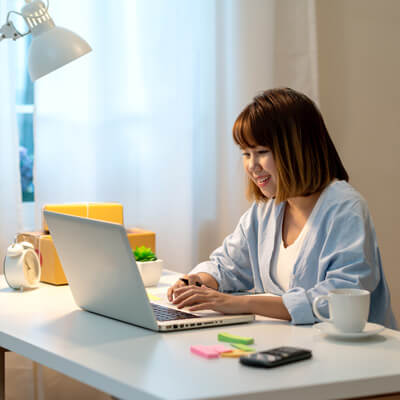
<point x="52" y="46"/>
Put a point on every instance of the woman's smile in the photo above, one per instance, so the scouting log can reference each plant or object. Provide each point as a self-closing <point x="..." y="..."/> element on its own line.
<point x="262" y="181"/>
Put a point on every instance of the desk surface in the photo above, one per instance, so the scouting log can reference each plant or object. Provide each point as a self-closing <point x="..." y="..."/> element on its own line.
<point x="129" y="362"/>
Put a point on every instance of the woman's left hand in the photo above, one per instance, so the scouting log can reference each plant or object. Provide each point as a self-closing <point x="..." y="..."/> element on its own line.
<point x="204" y="298"/>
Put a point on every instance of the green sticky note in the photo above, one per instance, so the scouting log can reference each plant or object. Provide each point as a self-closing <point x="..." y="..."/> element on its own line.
<point x="227" y="337"/>
<point x="243" y="347"/>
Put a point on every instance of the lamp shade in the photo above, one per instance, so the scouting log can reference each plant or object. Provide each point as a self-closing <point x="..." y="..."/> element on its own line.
<point x="52" y="46"/>
<point x="52" y="49"/>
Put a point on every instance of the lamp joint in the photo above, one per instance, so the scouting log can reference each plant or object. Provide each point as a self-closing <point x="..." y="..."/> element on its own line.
<point x="8" y="31"/>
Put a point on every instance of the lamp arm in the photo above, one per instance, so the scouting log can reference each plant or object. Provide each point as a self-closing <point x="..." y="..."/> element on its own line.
<point x="9" y="31"/>
<point x="13" y="12"/>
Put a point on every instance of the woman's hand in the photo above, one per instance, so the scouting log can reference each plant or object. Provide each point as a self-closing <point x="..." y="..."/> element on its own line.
<point x="184" y="281"/>
<point x="208" y="298"/>
<point x="204" y="298"/>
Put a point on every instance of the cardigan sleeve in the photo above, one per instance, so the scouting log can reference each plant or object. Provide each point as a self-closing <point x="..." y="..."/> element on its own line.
<point x="349" y="258"/>
<point x="230" y="263"/>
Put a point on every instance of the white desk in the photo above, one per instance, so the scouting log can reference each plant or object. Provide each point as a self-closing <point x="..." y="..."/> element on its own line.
<point x="133" y="363"/>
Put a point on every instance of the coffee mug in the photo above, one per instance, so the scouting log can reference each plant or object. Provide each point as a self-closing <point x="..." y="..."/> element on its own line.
<point x="348" y="309"/>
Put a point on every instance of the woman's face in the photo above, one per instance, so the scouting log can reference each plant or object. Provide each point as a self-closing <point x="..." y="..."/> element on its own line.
<point x="259" y="165"/>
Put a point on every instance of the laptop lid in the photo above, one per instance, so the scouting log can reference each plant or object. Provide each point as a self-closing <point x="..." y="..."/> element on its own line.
<point x="100" y="268"/>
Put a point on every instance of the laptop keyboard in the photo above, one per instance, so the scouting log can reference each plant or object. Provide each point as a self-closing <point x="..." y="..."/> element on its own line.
<point x="169" y="314"/>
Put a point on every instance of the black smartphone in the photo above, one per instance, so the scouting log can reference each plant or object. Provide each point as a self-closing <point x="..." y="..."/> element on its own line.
<point x="275" y="357"/>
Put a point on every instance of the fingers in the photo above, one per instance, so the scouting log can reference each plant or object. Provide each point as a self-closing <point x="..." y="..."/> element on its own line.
<point x="190" y="295"/>
<point x="184" y="281"/>
<point x="205" y="298"/>
<point x="184" y="292"/>
<point x="190" y="300"/>
<point x="171" y="291"/>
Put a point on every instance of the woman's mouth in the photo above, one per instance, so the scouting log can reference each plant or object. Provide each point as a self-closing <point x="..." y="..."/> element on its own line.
<point x="263" y="181"/>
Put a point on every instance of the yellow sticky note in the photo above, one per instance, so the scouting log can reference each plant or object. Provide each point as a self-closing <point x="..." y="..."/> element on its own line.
<point x="234" y="354"/>
<point x="152" y="297"/>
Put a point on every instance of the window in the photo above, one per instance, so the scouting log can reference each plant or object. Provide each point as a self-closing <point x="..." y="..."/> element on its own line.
<point x="25" y="117"/>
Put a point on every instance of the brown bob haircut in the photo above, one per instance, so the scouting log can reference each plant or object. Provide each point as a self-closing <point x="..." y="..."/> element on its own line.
<point x="291" y="126"/>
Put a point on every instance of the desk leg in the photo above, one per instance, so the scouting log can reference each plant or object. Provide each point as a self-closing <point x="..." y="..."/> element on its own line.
<point x="2" y="373"/>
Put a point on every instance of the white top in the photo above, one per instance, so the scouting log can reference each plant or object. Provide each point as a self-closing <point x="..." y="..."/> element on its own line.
<point x="128" y="362"/>
<point x="283" y="259"/>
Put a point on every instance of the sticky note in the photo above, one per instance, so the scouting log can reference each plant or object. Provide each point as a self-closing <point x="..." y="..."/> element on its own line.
<point x="152" y="297"/>
<point x="204" y="351"/>
<point x="227" y="337"/>
<point x="234" y="354"/>
<point x="221" y="348"/>
<point x="243" y="347"/>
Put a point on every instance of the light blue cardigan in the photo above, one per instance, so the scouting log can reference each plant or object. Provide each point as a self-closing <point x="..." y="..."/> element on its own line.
<point x="339" y="251"/>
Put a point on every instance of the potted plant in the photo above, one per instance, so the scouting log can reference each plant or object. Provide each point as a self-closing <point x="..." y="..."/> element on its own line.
<point x="149" y="265"/>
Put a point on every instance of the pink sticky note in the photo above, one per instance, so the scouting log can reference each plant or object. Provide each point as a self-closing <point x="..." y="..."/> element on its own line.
<point x="221" y="348"/>
<point x="204" y="351"/>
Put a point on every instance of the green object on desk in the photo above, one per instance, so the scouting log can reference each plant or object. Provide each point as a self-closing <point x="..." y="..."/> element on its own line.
<point x="144" y="253"/>
<point x="243" y="347"/>
<point x="227" y="337"/>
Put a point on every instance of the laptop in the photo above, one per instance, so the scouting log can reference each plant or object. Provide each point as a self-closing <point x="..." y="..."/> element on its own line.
<point x="104" y="279"/>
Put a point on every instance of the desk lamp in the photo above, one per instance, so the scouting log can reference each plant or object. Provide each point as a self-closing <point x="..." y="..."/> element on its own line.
<point x="52" y="46"/>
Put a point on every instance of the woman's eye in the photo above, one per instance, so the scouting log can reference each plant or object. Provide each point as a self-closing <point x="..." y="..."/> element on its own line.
<point x="245" y="154"/>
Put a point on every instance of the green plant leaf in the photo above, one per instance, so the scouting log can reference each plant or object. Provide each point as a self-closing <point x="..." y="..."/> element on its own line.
<point x="144" y="253"/>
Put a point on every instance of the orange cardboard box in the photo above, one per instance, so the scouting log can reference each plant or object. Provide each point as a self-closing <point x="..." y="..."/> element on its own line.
<point x="140" y="237"/>
<point x="110" y="212"/>
<point x="52" y="271"/>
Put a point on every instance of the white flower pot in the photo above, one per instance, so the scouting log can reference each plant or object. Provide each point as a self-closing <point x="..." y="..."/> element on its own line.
<point x="150" y="271"/>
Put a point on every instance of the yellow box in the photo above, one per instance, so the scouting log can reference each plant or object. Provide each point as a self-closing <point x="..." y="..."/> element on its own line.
<point x="52" y="271"/>
<point x="110" y="212"/>
<point x="140" y="237"/>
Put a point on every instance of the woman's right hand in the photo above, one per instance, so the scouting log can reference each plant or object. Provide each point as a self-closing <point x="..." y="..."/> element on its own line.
<point x="185" y="280"/>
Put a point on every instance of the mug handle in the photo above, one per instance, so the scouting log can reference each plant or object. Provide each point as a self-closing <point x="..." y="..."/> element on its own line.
<point x="315" y="308"/>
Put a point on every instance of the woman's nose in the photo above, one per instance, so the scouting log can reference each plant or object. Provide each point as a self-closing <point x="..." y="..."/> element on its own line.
<point x="253" y="163"/>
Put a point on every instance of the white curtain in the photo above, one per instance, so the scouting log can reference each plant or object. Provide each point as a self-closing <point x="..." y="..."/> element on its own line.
<point x="10" y="186"/>
<point x="146" y="118"/>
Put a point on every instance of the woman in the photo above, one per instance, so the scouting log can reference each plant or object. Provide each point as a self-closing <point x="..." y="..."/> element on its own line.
<point x="307" y="232"/>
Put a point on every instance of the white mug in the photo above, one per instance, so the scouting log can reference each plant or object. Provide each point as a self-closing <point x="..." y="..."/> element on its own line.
<point x="348" y="309"/>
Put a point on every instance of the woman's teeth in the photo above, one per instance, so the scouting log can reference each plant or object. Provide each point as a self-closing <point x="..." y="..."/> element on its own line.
<point x="263" y="180"/>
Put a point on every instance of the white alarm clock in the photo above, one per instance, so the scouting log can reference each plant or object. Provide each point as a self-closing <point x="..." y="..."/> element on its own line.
<point x="21" y="266"/>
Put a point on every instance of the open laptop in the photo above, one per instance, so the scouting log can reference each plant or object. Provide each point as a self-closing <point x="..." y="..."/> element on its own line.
<point x="104" y="279"/>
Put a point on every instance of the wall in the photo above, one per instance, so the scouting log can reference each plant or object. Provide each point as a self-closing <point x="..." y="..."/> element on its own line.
<point x="359" y="64"/>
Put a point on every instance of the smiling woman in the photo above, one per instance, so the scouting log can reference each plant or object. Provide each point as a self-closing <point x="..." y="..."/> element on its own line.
<point x="307" y="232"/>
